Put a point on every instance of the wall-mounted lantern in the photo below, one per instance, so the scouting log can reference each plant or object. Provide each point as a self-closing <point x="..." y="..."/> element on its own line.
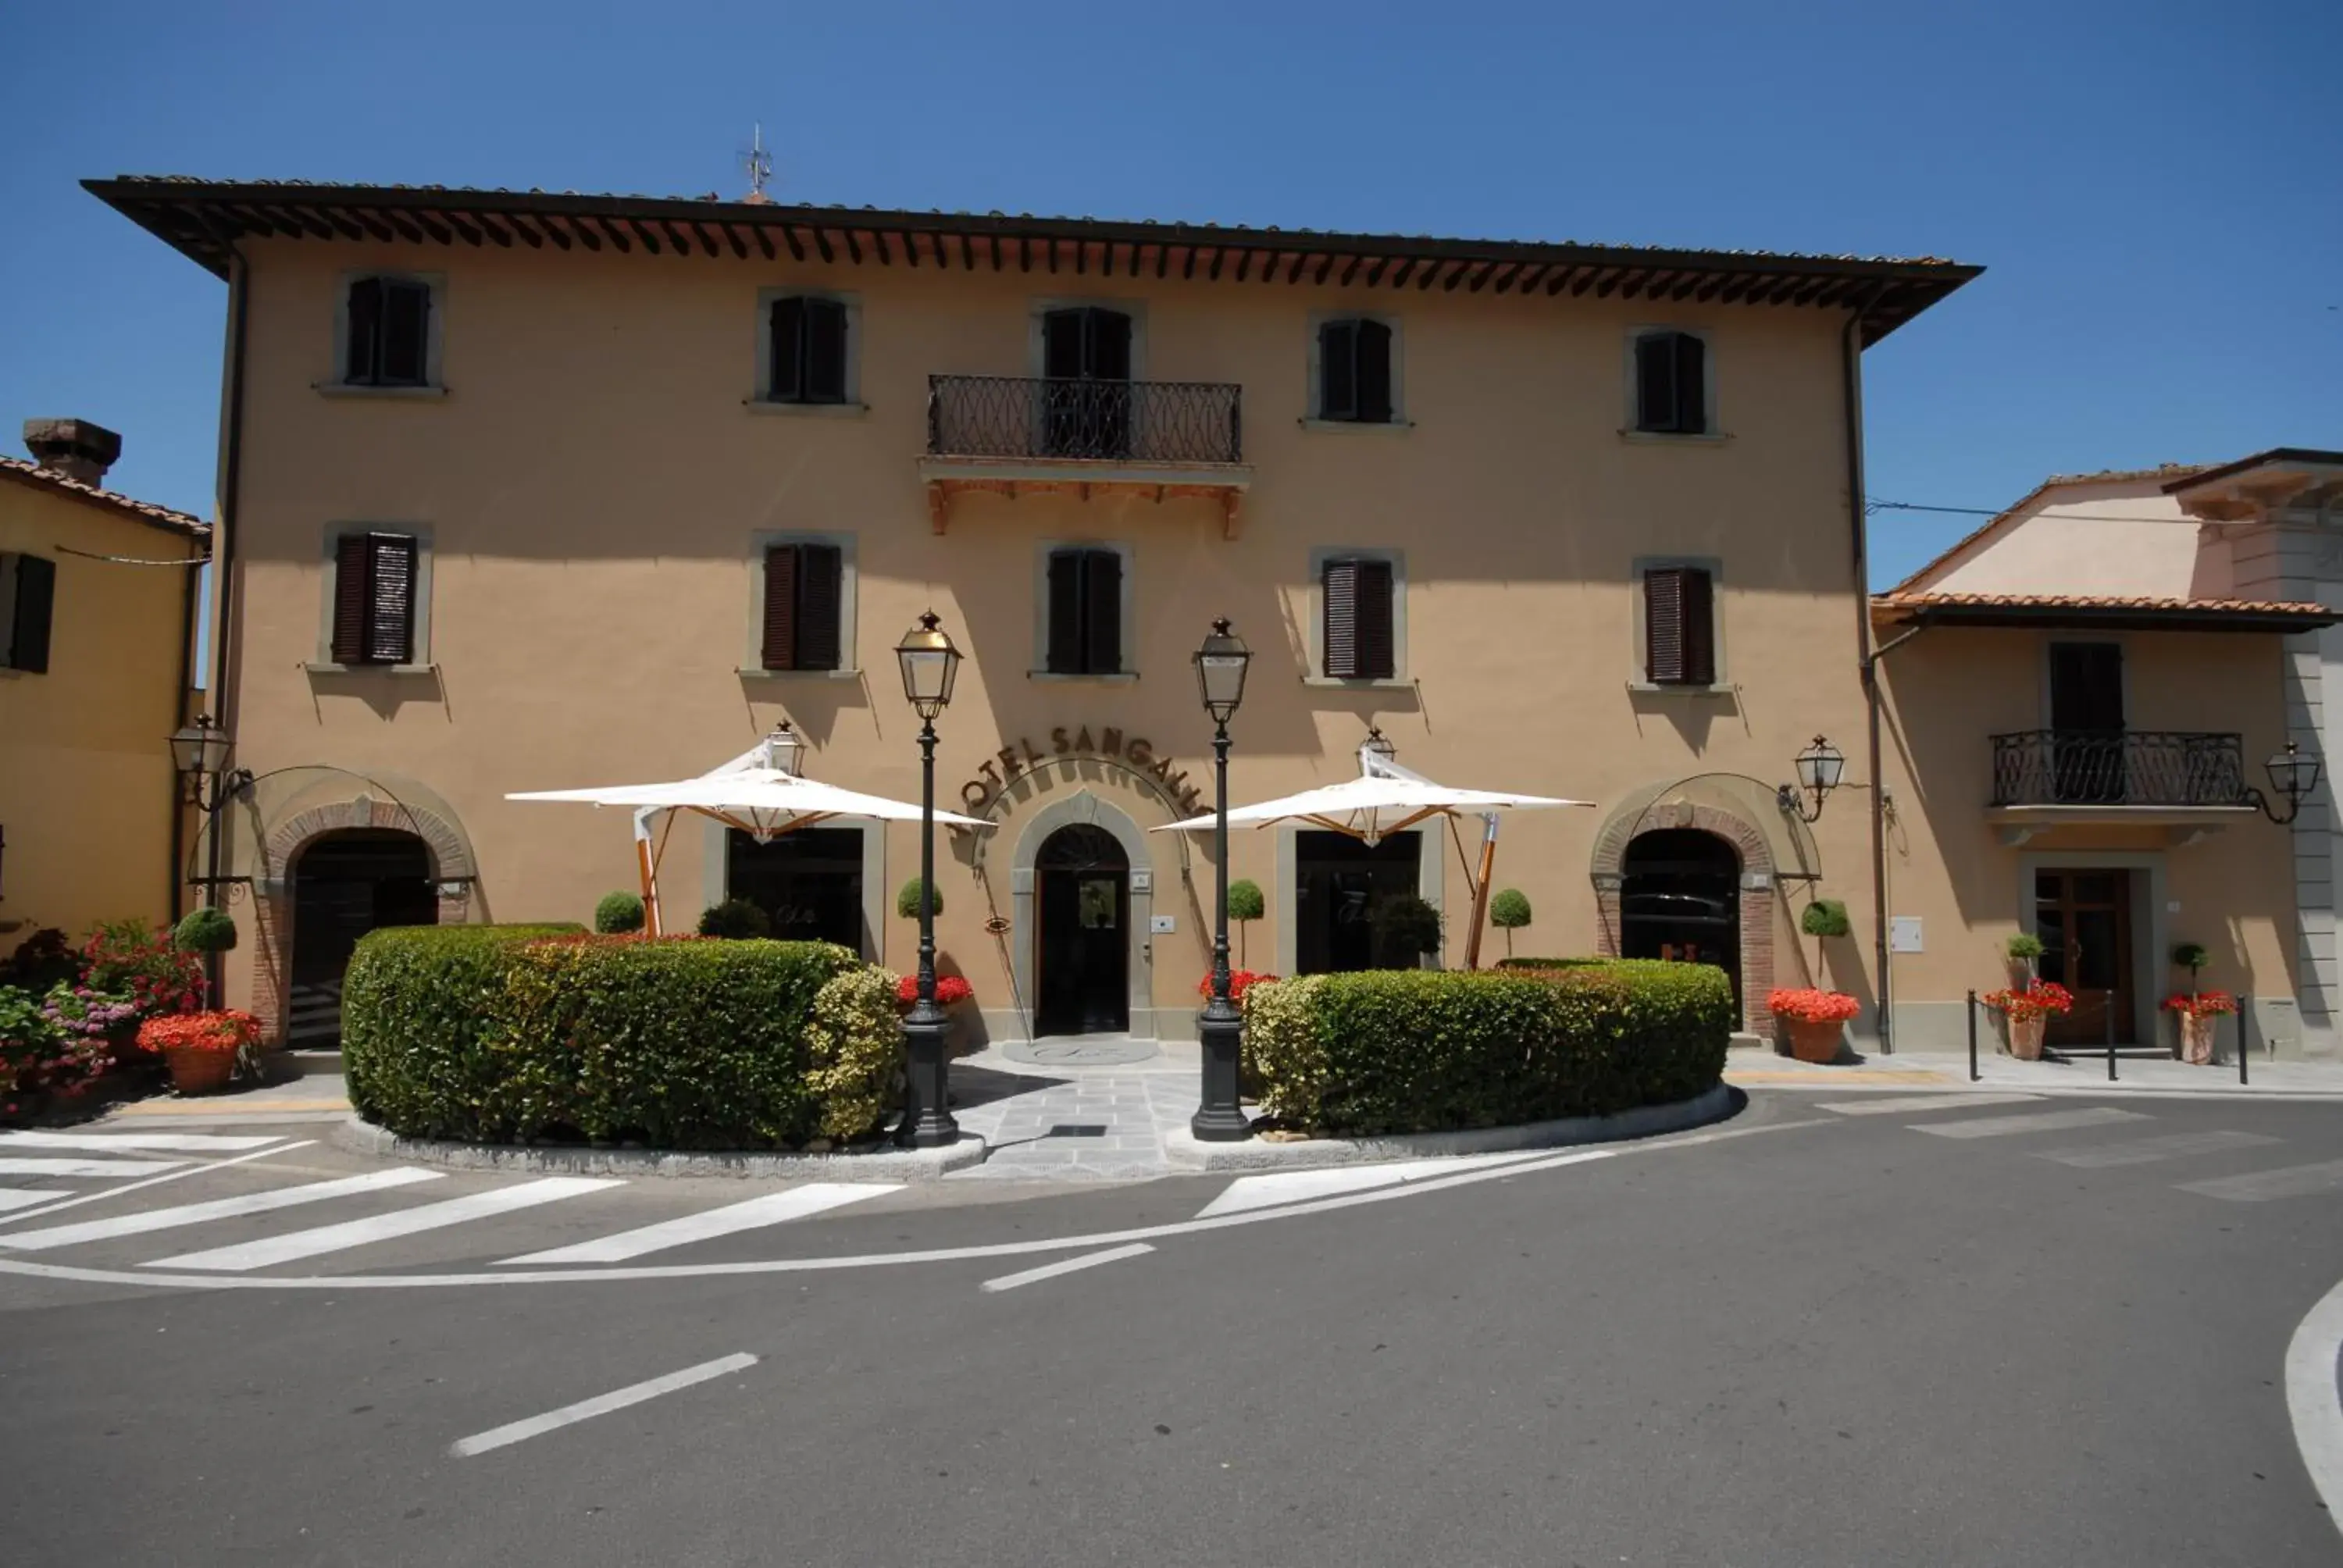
<point x="2291" y="775"/>
<point x="1821" y="769"/>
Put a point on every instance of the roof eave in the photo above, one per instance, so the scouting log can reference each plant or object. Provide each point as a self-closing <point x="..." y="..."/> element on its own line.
<point x="2105" y="618"/>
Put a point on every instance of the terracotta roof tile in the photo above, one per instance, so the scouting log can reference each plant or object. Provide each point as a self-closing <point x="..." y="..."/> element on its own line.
<point x="1894" y="600"/>
<point x="147" y="512"/>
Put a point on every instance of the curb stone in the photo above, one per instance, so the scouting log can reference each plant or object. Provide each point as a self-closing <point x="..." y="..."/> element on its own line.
<point x="361" y="1137"/>
<point x="1186" y="1155"/>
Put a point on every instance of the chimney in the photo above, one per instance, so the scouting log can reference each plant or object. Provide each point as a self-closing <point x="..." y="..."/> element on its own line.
<point x="77" y="448"/>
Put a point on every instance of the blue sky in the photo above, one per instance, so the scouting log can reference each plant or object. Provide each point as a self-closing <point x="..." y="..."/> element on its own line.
<point x="2156" y="188"/>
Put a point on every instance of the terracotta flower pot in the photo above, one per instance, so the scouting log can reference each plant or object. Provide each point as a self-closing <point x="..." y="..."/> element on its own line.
<point x="2026" y="1037"/>
<point x="198" y="1072"/>
<point x="2197" y="1037"/>
<point x="1815" y="1040"/>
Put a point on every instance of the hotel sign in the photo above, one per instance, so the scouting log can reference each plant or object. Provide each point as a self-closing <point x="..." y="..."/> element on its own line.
<point x="1133" y="754"/>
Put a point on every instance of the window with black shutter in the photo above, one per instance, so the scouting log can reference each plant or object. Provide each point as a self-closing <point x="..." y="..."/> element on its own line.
<point x="1671" y="384"/>
<point x="389" y="333"/>
<point x="804" y="607"/>
<point x="374" y="598"/>
<point x="1679" y="626"/>
<point x="28" y="597"/>
<point x="808" y="347"/>
<point x="1360" y="618"/>
<point x="1085" y="613"/>
<point x="1354" y="371"/>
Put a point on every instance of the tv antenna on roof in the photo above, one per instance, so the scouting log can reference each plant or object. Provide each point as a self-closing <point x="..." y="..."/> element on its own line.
<point x="759" y="163"/>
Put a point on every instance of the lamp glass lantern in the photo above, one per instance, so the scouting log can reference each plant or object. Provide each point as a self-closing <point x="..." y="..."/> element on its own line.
<point x="201" y="747"/>
<point x="784" y="752"/>
<point x="931" y="664"/>
<point x="1379" y="745"/>
<point x="2292" y="774"/>
<point x="1821" y="767"/>
<point x="1221" y="666"/>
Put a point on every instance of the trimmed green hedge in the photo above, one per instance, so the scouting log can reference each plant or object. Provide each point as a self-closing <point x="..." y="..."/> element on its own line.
<point x="495" y="1034"/>
<point x="1431" y="1051"/>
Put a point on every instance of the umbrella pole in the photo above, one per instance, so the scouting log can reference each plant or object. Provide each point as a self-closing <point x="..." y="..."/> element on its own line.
<point x="1481" y="890"/>
<point x="647" y="867"/>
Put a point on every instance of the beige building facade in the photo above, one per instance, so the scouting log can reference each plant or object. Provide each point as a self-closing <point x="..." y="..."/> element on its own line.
<point x="97" y="612"/>
<point x="530" y="492"/>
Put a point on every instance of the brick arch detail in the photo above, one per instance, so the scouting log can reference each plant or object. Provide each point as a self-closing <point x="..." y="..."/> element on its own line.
<point x="1757" y="891"/>
<point x="452" y="867"/>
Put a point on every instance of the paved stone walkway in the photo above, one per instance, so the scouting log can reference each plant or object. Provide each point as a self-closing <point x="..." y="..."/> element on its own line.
<point x="1075" y="1123"/>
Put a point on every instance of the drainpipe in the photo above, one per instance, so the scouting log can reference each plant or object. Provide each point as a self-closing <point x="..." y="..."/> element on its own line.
<point x="1851" y="370"/>
<point x="225" y="531"/>
<point x="188" y="588"/>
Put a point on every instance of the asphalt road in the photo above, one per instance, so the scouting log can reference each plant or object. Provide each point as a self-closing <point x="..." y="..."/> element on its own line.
<point x="1806" y="1338"/>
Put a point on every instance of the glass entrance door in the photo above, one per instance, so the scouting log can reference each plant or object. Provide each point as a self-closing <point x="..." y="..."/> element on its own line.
<point x="2084" y="919"/>
<point x="1082" y="886"/>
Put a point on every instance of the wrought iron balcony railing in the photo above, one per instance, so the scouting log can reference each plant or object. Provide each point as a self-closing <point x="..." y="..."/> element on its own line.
<point x="1102" y="421"/>
<point x="2118" y="768"/>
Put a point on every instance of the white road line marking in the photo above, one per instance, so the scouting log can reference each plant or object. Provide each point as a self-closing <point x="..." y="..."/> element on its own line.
<point x="217" y="1208"/>
<point x="1903" y="1103"/>
<point x="600" y="1404"/>
<point x="1293" y="1186"/>
<point x="2261" y="1186"/>
<point x="66" y="1165"/>
<point x="2049" y="1121"/>
<point x="300" y="1244"/>
<point x="21" y="1198"/>
<point x="1066" y="1266"/>
<point x="772" y="1209"/>
<point x="101" y="1196"/>
<point x="174" y="1142"/>
<point x="2311" y="1358"/>
<point x="2146" y="1151"/>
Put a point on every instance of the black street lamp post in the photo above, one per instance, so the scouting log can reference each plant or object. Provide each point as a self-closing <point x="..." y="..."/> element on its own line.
<point x="1220" y="1118"/>
<point x="200" y="752"/>
<point x="930" y="664"/>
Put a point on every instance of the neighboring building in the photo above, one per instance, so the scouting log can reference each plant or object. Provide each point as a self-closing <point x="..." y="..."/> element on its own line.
<point x="2091" y="685"/>
<point x="530" y="490"/>
<point x="97" y="635"/>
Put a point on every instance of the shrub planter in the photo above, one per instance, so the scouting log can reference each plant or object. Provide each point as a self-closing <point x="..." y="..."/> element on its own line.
<point x="1815" y="1040"/>
<point x="2026" y="1037"/>
<point x="200" y="1048"/>
<point x="200" y="1069"/>
<point x="1813" y="1018"/>
<point x="2197" y="1039"/>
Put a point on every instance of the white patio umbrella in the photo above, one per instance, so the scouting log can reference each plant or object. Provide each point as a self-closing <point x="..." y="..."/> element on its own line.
<point x="1387" y="799"/>
<point x="760" y="792"/>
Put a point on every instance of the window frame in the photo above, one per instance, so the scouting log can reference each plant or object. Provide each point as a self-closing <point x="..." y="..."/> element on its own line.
<point x="1036" y="313"/>
<point x="1127" y="606"/>
<point x="752" y="652"/>
<point x="11" y="588"/>
<point x="1632" y="428"/>
<point x="1315" y="416"/>
<point x="434" y="385"/>
<point x="1315" y="619"/>
<point x="760" y="396"/>
<point x="418" y="639"/>
<point x="1639" y="630"/>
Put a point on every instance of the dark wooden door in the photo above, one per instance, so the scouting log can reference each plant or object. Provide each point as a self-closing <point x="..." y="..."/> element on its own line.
<point x="2086" y="720"/>
<point x="2084" y="919"/>
<point x="1082" y="886"/>
<point x="1086" y="359"/>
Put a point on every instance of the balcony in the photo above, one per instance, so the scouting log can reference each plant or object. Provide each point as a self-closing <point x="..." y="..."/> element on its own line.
<point x="1025" y="435"/>
<point x="2192" y="781"/>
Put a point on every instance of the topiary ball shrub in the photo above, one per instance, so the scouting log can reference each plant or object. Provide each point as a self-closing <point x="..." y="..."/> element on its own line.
<point x="2191" y="956"/>
<point x="1824" y="918"/>
<point x="1510" y="910"/>
<point x="907" y="903"/>
<point x="618" y="913"/>
<point x="2025" y="947"/>
<point x="1245" y="902"/>
<point x="1405" y="928"/>
<point x="206" y="930"/>
<point x="736" y="918"/>
<point x="1378" y="1052"/>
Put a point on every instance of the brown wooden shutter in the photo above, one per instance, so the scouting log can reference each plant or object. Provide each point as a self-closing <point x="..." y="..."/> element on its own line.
<point x="781" y="643"/>
<point x="1691" y="385"/>
<point x="390" y="616"/>
<point x="1102" y="612"/>
<point x="820" y="596"/>
<point x="353" y="574"/>
<point x="1655" y="381"/>
<point x="825" y="353"/>
<point x="1375" y="340"/>
<point x="1377" y="650"/>
<point x="1665" y="663"/>
<point x="36" y="610"/>
<point x="1065" y="635"/>
<point x="362" y="353"/>
<point x="1338" y="370"/>
<point x="1339" y="587"/>
<point x="1699" y="628"/>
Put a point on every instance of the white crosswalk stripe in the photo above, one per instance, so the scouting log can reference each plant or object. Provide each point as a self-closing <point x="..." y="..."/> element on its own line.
<point x="63" y="1165"/>
<point x="2046" y="1121"/>
<point x="773" y="1208"/>
<point x="1249" y="1192"/>
<point x="168" y="1142"/>
<point x="181" y="1214"/>
<point x="14" y="1198"/>
<point x="298" y="1244"/>
<point x="2260" y="1186"/>
<point x="2148" y="1150"/>
<point x="1897" y="1104"/>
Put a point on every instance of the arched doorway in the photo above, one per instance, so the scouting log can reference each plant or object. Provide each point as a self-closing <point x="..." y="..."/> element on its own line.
<point x="1679" y="897"/>
<point x="1082" y="944"/>
<point x="346" y="884"/>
